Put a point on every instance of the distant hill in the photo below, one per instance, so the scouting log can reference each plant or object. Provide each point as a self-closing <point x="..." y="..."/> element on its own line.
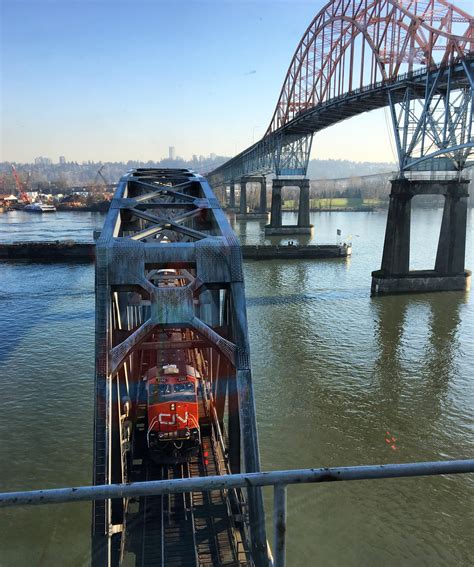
<point x="341" y="168"/>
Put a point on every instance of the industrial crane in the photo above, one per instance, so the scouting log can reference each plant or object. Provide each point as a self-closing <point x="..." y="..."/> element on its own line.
<point x="99" y="173"/>
<point x="21" y="192"/>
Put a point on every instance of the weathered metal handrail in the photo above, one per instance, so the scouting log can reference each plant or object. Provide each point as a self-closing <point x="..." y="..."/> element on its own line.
<point x="278" y="479"/>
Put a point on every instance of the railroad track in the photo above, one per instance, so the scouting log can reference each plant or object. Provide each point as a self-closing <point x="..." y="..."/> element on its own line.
<point x="163" y="530"/>
<point x="179" y="530"/>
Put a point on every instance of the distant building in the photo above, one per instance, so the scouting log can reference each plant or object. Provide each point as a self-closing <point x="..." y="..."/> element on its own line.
<point x="5" y="200"/>
<point x="195" y="158"/>
<point x="62" y="160"/>
<point x="45" y="197"/>
<point x="172" y="153"/>
<point x="43" y="161"/>
<point x="213" y="156"/>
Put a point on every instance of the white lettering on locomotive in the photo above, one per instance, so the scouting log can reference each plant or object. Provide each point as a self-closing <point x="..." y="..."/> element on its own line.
<point x="163" y="418"/>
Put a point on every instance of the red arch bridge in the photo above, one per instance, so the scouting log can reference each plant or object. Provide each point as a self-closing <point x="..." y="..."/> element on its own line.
<point x="417" y="58"/>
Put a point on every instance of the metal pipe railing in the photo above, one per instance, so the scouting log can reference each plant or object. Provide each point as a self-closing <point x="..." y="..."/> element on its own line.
<point x="278" y="479"/>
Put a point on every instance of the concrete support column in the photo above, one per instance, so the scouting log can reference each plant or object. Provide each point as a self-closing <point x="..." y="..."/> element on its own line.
<point x="276" y="226"/>
<point x="243" y="197"/>
<point x="263" y="196"/>
<point x="220" y="194"/>
<point x="275" y="217"/>
<point x="303" y="210"/>
<point x="232" y="196"/>
<point x="451" y="252"/>
<point x="449" y="273"/>
<point x="396" y="249"/>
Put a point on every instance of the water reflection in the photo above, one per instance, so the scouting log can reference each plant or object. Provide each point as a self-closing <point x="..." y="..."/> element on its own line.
<point x="418" y="349"/>
<point x="444" y="330"/>
<point x="388" y="331"/>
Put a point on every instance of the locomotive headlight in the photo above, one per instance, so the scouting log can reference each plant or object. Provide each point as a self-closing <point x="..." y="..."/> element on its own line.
<point x="172" y="407"/>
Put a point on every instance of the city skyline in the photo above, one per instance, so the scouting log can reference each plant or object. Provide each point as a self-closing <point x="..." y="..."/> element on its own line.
<point x="62" y="160"/>
<point x="88" y="80"/>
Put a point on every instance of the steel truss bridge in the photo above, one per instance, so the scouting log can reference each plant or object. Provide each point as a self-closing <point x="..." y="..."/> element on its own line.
<point x="417" y="57"/>
<point x="170" y="219"/>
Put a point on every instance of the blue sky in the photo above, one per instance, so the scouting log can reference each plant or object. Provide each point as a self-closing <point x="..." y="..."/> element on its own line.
<point x="115" y="80"/>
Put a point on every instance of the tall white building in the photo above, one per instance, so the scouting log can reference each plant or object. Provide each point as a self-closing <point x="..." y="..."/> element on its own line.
<point x="172" y="152"/>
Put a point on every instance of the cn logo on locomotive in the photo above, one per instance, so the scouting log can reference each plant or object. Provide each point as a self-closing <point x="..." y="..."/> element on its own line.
<point x="170" y="419"/>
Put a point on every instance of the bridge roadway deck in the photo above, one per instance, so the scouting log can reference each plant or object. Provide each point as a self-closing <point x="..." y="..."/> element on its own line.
<point x="334" y="110"/>
<point x="181" y="530"/>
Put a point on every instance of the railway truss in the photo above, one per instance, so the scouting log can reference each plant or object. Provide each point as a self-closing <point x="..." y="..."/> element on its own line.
<point x="169" y="220"/>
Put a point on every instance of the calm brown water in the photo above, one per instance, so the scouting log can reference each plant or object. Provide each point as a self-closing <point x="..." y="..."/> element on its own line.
<point x="333" y="369"/>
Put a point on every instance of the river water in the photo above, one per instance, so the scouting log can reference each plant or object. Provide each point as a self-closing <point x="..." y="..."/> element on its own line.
<point x="335" y="373"/>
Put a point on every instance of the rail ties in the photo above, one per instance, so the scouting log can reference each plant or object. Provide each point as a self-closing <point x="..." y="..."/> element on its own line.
<point x="177" y="530"/>
<point x="182" y="530"/>
<point x="163" y="532"/>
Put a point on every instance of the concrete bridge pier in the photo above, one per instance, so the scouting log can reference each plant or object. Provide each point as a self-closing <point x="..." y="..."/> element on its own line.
<point x="263" y="197"/>
<point x="232" y="196"/>
<point x="243" y="197"/>
<point x="451" y="253"/>
<point x="303" y="208"/>
<point x="449" y="273"/>
<point x="276" y="226"/>
<point x="261" y="212"/>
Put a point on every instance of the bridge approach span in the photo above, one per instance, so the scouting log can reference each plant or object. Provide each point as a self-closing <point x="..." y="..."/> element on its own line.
<point x="357" y="56"/>
<point x="262" y="158"/>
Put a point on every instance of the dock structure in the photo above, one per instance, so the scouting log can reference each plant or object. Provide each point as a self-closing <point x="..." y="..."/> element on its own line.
<point x="169" y="220"/>
<point x="70" y="251"/>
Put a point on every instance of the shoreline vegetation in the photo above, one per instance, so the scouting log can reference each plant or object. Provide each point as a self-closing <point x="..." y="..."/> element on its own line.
<point x="337" y="205"/>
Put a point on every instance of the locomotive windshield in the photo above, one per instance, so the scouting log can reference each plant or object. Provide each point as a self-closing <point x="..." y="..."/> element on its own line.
<point x="162" y="392"/>
<point x="184" y="387"/>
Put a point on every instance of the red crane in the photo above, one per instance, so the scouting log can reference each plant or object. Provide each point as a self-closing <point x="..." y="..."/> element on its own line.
<point x="21" y="192"/>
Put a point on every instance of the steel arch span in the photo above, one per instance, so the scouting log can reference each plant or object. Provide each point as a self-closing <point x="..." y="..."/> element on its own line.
<point x="351" y="44"/>
<point x="360" y="55"/>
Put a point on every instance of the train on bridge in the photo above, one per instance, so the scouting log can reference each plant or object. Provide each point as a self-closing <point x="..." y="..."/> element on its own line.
<point x="173" y="384"/>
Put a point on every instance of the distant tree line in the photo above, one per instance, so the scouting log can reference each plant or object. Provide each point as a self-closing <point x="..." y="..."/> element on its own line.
<point x="331" y="179"/>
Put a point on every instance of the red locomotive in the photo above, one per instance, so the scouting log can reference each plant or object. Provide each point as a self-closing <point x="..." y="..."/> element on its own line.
<point x="173" y="433"/>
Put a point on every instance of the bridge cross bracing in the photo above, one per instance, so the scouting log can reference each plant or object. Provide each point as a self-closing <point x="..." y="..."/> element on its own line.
<point x="169" y="221"/>
<point x="415" y="57"/>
